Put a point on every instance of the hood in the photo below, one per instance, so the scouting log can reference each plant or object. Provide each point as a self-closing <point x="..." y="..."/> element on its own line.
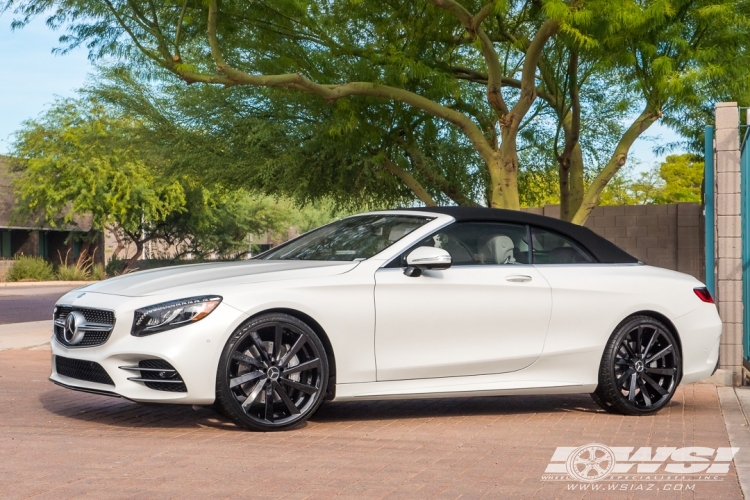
<point x="165" y="279"/>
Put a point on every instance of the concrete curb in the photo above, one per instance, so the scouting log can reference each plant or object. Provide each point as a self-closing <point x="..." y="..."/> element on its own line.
<point x="734" y="404"/>
<point x="22" y="284"/>
<point x="722" y="378"/>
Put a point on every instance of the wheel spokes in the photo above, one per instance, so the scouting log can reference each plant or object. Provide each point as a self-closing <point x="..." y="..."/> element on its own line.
<point x="270" y="391"/>
<point x="313" y="363"/>
<point x="254" y="395"/>
<point x="639" y="340"/>
<point x="291" y="352"/>
<point x="624" y="377"/>
<point x="247" y="377"/>
<point x="307" y="389"/>
<point x="269" y="402"/>
<point x="629" y="349"/>
<point x="260" y="346"/>
<point x="660" y="371"/>
<point x="285" y="398"/>
<point x="651" y="342"/>
<point x="248" y="360"/>
<point x="659" y="354"/>
<point x="661" y="390"/>
<point x="631" y="392"/>
<point x="644" y="393"/>
<point x="277" y="341"/>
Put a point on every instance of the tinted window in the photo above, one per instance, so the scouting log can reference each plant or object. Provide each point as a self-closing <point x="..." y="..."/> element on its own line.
<point x="479" y="243"/>
<point x="349" y="239"/>
<point x="553" y="248"/>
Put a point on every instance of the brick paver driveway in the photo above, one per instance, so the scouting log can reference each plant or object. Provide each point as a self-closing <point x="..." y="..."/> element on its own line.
<point x="56" y="443"/>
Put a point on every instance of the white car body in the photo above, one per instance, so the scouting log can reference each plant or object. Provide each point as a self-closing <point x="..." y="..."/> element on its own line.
<point x="463" y="331"/>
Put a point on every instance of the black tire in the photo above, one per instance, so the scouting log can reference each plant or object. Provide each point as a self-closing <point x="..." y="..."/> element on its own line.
<point x="279" y="362"/>
<point x="640" y="368"/>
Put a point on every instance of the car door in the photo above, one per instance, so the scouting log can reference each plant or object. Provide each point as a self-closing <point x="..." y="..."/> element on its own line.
<point x="488" y="313"/>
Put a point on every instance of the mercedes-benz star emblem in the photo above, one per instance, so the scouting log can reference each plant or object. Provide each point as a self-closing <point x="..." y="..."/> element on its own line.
<point x="72" y="334"/>
<point x="274" y="373"/>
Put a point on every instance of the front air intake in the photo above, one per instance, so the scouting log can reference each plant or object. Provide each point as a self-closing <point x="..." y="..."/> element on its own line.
<point x="157" y="374"/>
<point x="82" y="370"/>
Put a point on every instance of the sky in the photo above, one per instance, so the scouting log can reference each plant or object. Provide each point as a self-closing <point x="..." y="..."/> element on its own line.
<point x="34" y="76"/>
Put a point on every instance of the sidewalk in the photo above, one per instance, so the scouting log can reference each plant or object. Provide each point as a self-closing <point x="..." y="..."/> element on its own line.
<point x="735" y="406"/>
<point x="31" y="335"/>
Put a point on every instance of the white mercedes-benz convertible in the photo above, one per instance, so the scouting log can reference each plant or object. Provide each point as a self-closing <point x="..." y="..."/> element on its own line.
<point x="418" y="303"/>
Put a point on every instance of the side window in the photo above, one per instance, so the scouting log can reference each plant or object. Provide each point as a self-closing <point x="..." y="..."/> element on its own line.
<point x="480" y="243"/>
<point x="553" y="248"/>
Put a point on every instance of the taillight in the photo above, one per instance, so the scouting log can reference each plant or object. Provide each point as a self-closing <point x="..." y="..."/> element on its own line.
<point x="704" y="294"/>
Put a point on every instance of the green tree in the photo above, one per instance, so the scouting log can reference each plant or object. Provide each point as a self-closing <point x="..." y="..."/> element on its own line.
<point x="80" y="158"/>
<point x="683" y="178"/>
<point x="406" y="75"/>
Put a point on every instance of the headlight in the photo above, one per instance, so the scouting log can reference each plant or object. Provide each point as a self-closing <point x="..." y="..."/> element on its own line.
<point x="174" y="314"/>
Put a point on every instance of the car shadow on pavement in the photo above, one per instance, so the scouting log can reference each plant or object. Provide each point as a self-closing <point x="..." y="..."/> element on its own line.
<point x="88" y="408"/>
<point x="454" y="407"/>
<point x="120" y="412"/>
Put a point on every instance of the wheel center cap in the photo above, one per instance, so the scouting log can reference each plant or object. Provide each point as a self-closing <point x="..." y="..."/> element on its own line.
<point x="639" y="366"/>
<point x="274" y="373"/>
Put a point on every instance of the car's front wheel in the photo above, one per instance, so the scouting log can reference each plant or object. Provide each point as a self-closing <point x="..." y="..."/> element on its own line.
<point x="640" y="368"/>
<point x="272" y="374"/>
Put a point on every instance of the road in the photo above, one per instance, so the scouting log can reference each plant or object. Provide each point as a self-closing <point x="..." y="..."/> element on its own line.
<point x="24" y="304"/>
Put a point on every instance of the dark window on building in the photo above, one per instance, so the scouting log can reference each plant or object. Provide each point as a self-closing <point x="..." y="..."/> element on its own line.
<point x="6" y="250"/>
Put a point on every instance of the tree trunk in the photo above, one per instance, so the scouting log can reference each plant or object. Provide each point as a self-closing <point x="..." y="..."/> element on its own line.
<point x="503" y="169"/>
<point x="134" y="258"/>
<point x="615" y="163"/>
<point x="571" y="183"/>
<point x="120" y="243"/>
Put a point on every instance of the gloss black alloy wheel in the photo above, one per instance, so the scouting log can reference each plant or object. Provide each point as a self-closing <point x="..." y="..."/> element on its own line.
<point x="640" y="368"/>
<point x="272" y="374"/>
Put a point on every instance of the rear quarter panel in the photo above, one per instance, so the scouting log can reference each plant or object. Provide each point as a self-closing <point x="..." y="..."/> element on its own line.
<point x="590" y="300"/>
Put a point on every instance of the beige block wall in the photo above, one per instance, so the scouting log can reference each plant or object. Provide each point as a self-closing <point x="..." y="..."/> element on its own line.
<point x="728" y="237"/>
<point x="669" y="236"/>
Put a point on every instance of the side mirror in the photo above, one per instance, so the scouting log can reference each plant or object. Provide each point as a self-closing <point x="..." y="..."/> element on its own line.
<point x="422" y="258"/>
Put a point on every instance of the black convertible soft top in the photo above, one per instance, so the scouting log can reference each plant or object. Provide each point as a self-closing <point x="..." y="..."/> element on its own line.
<point x="602" y="249"/>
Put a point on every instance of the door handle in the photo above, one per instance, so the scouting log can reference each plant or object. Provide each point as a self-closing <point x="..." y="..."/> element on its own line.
<point x="518" y="278"/>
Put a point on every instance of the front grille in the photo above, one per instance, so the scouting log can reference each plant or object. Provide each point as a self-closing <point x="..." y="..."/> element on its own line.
<point x="82" y="370"/>
<point x="157" y="374"/>
<point x="90" y="339"/>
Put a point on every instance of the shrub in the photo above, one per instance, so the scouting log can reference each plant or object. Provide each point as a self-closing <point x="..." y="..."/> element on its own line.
<point x="73" y="272"/>
<point x="114" y="267"/>
<point x="30" y="269"/>
<point x="98" y="272"/>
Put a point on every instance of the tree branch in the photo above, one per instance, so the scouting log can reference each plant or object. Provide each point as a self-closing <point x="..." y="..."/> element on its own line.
<point x="494" y="68"/>
<point x="334" y="92"/>
<point x="615" y="163"/>
<point x="410" y="182"/>
<point x="418" y="161"/>
<point x="531" y="60"/>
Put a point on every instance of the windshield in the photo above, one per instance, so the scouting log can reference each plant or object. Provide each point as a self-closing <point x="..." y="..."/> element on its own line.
<point x="349" y="239"/>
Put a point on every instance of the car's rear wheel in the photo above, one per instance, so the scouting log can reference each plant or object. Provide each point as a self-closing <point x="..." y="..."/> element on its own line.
<point x="640" y="368"/>
<point x="272" y="374"/>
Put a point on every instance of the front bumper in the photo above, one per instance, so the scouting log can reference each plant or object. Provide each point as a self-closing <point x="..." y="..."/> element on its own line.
<point x="193" y="350"/>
